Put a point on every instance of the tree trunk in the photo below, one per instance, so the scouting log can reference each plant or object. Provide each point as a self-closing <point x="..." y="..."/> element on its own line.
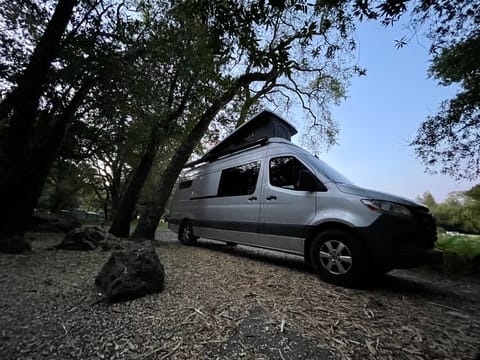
<point x="149" y="220"/>
<point x="19" y="110"/>
<point x="115" y="188"/>
<point x="123" y="216"/>
<point x="23" y="100"/>
<point x="21" y="106"/>
<point x="44" y="157"/>
<point x="24" y="195"/>
<point x="121" y="220"/>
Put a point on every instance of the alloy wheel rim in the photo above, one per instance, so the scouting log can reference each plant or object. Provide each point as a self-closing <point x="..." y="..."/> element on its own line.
<point x="186" y="232"/>
<point x="335" y="257"/>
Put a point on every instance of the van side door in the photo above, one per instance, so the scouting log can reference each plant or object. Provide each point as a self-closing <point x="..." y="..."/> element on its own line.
<point x="232" y="215"/>
<point x="285" y="209"/>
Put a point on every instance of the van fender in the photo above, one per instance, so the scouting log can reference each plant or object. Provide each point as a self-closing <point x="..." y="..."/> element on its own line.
<point x="314" y="230"/>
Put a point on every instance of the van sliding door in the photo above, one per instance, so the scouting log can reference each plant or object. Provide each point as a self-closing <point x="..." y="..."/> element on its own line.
<point x="233" y="214"/>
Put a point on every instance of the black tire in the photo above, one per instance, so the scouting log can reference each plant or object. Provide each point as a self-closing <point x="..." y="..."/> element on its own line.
<point x="383" y="270"/>
<point x="185" y="234"/>
<point x="231" y="244"/>
<point x="338" y="257"/>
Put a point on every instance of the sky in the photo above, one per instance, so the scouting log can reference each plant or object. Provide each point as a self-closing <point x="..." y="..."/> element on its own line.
<point x="382" y="114"/>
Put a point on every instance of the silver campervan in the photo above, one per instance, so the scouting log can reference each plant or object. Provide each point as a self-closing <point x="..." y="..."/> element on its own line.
<point x="257" y="188"/>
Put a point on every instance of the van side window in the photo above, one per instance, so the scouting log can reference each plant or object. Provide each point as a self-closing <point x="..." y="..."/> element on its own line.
<point x="284" y="172"/>
<point x="185" y="184"/>
<point x="239" y="180"/>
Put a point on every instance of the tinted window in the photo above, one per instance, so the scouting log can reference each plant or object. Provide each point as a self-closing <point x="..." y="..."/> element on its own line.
<point x="239" y="180"/>
<point x="185" y="184"/>
<point x="284" y="172"/>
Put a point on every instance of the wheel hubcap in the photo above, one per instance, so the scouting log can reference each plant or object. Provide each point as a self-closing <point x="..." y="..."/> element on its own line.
<point x="186" y="232"/>
<point x="335" y="257"/>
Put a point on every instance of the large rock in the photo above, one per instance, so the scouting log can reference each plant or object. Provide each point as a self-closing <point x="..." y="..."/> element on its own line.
<point x="89" y="238"/>
<point x="131" y="274"/>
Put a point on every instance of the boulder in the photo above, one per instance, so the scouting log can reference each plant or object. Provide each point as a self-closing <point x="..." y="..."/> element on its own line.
<point x="89" y="238"/>
<point x="130" y="274"/>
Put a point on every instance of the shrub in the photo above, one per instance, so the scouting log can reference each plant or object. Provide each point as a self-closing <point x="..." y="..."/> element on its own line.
<point x="467" y="245"/>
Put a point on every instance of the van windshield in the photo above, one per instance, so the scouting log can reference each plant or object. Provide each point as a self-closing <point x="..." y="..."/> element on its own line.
<point x="329" y="171"/>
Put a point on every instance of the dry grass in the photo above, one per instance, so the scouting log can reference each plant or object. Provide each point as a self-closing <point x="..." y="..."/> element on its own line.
<point x="50" y="309"/>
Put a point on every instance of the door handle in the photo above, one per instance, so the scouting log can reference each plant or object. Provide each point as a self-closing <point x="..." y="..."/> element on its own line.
<point x="271" y="197"/>
<point x="252" y="198"/>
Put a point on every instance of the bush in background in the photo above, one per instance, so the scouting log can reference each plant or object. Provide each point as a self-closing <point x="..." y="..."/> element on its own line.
<point x="461" y="254"/>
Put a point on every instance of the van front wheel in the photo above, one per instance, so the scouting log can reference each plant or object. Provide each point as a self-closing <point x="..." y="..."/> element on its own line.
<point x="185" y="235"/>
<point x="338" y="257"/>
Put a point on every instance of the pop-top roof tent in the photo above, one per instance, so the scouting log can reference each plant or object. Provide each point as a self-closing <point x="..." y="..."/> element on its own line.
<point x="254" y="132"/>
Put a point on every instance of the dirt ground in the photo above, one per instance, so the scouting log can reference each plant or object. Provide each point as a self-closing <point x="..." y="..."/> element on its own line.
<point x="221" y="302"/>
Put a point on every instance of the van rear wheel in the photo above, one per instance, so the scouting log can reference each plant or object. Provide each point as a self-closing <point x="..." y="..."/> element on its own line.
<point x="338" y="257"/>
<point x="185" y="235"/>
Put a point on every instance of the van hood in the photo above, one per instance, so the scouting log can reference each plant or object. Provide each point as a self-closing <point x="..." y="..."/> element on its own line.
<point x="375" y="195"/>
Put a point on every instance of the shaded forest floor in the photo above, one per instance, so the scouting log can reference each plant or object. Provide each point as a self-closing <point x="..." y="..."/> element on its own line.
<point x="228" y="303"/>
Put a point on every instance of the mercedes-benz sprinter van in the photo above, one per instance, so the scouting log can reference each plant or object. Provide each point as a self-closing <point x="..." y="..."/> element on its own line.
<point x="257" y="188"/>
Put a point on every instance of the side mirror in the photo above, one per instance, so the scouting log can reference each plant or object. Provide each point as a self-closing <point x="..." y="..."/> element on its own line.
<point x="307" y="181"/>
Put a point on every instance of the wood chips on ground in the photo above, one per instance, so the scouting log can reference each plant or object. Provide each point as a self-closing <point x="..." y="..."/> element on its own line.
<point x="50" y="309"/>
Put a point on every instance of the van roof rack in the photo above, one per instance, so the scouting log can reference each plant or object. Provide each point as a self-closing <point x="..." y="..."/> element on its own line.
<point x="254" y="132"/>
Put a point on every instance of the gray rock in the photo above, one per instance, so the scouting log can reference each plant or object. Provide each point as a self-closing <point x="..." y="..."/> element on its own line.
<point x="131" y="274"/>
<point x="89" y="238"/>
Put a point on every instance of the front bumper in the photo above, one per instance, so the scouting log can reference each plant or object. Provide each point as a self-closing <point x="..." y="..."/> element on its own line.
<point x="395" y="242"/>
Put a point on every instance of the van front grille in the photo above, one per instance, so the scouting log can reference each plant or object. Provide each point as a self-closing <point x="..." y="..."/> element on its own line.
<point x="427" y="226"/>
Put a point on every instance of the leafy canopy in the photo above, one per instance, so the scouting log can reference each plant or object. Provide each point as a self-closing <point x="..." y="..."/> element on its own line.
<point x="450" y="140"/>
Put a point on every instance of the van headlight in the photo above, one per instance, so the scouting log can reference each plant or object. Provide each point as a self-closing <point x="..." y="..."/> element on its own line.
<point x="387" y="207"/>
